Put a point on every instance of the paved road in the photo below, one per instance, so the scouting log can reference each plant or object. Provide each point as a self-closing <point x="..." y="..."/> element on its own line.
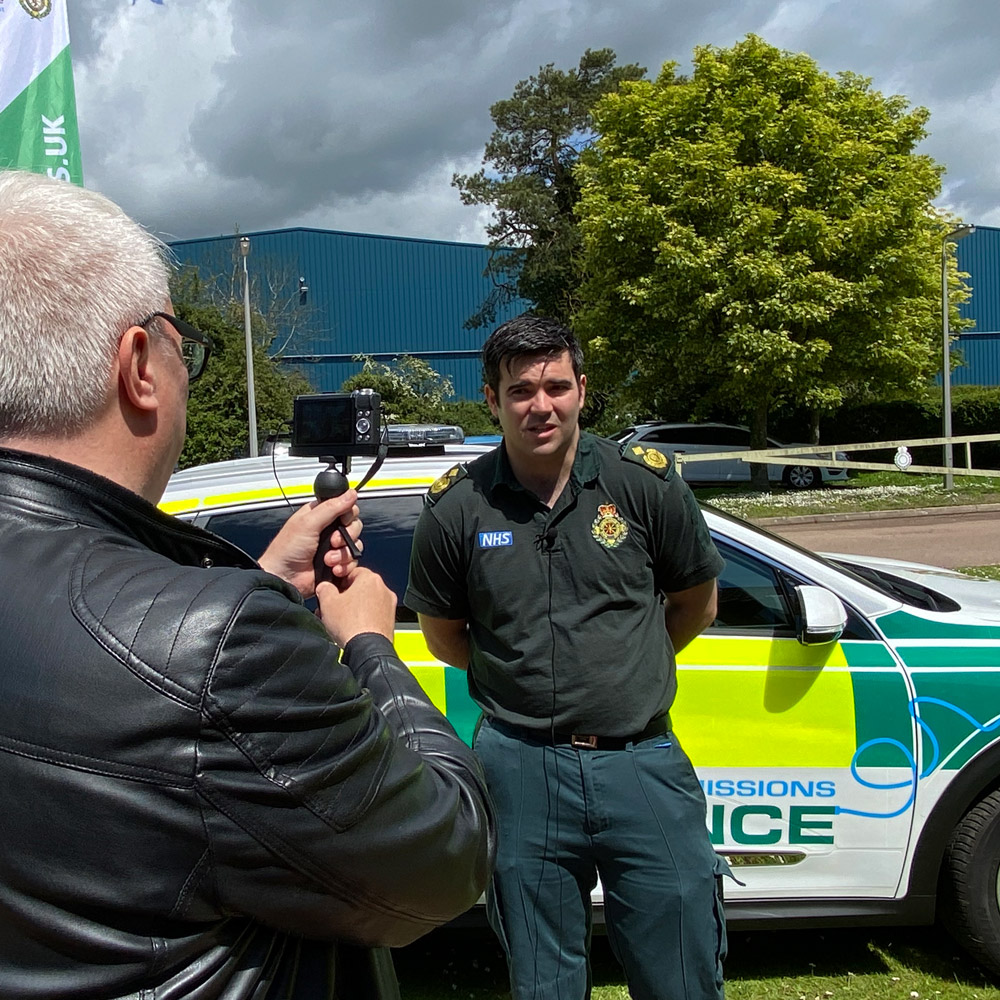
<point x="956" y="539"/>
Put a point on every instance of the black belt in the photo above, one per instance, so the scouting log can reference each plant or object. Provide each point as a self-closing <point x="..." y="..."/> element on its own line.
<point x="657" y="726"/>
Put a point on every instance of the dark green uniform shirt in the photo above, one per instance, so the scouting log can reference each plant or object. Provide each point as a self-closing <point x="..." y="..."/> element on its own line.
<point x="564" y="605"/>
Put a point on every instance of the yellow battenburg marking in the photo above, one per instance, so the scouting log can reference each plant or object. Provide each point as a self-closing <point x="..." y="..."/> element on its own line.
<point x="178" y="506"/>
<point x="775" y="707"/>
<point x="221" y="500"/>
<point x="431" y="679"/>
<point x="247" y="496"/>
<point x="412" y="649"/>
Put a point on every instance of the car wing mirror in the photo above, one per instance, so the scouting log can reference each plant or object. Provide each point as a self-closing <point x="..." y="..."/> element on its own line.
<point x="822" y="615"/>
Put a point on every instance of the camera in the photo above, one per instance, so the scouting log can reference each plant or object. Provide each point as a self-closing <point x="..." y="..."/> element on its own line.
<point x="337" y="425"/>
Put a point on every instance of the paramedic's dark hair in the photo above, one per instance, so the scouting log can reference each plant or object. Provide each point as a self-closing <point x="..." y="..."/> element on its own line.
<point x="527" y="336"/>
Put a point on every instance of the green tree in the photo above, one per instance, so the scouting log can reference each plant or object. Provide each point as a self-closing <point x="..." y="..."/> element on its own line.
<point x="217" y="427"/>
<point x="530" y="183"/>
<point x="761" y="233"/>
<point x="411" y="390"/>
<point x="415" y="393"/>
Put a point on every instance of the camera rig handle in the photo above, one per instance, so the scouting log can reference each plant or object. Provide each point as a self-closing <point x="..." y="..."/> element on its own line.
<point x="331" y="482"/>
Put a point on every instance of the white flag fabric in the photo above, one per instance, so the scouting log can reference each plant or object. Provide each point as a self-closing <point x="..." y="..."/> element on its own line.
<point x="38" y="129"/>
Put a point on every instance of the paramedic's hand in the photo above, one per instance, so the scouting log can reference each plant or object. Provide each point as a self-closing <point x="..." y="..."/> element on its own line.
<point x="359" y="603"/>
<point x="290" y="554"/>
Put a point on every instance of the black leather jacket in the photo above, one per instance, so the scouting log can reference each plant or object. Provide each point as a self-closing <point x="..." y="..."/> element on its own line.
<point x="197" y="797"/>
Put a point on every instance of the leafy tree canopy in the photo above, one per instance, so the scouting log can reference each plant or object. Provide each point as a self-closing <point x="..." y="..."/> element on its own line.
<point x="530" y="183"/>
<point x="759" y="233"/>
<point x="217" y="425"/>
<point x="414" y="393"/>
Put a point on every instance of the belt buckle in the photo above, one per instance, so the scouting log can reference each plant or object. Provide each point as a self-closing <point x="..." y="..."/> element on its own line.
<point x="583" y="742"/>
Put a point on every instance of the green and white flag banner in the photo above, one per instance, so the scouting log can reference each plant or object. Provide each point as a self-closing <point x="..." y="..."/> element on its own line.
<point x="38" y="129"/>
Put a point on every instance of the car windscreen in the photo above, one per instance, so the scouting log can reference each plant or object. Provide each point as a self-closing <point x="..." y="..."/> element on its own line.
<point x="908" y="591"/>
<point x="622" y="435"/>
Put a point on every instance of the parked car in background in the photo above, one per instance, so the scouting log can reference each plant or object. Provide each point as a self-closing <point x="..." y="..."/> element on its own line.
<point x="702" y="439"/>
<point x="842" y="714"/>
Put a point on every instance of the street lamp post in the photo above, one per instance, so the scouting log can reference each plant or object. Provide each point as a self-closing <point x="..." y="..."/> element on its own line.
<point x="953" y="237"/>
<point x="251" y="397"/>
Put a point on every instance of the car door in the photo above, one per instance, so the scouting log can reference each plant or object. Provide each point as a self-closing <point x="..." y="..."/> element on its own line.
<point x="804" y="752"/>
<point x="389" y="519"/>
<point x="801" y="750"/>
<point x="732" y="439"/>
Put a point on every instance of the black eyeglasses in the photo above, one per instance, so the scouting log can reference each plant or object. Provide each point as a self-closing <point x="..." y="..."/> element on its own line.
<point x="195" y="345"/>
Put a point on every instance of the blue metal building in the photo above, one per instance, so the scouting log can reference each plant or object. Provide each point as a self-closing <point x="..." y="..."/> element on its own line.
<point x="378" y="295"/>
<point x="390" y="295"/>
<point x="979" y="255"/>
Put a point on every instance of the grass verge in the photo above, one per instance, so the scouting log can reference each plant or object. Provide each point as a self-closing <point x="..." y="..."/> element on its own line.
<point x="984" y="572"/>
<point x="850" y="964"/>
<point x="866" y="492"/>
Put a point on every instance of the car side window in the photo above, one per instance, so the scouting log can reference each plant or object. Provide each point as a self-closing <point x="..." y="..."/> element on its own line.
<point x="690" y="435"/>
<point x="751" y="596"/>
<point x="732" y="437"/>
<point x="387" y="536"/>
<point x="706" y="435"/>
<point x="674" y="436"/>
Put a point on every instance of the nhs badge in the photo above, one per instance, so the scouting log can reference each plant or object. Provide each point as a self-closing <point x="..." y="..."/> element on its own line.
<point x="494" y="539"/>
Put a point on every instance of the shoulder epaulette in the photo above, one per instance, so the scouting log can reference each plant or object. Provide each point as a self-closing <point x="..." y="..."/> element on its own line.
<point x="442" y="484"/>
<point x="649" y="458"/>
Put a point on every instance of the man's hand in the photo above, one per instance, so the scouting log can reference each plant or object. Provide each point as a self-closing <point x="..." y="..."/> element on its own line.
<point x="290" y="554"/>
<point x="356" y="604"/>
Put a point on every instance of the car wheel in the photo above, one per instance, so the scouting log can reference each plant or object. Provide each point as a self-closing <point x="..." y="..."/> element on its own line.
<point x="801" y="477"/>
<point x="970" y="887"/>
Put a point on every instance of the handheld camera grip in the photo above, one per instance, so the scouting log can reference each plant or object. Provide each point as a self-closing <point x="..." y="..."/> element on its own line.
<point x="330" y="483"/>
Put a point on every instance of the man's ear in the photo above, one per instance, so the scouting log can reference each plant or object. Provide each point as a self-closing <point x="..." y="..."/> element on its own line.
<point x="135" y="368"/>
<point x="491" y="400"/>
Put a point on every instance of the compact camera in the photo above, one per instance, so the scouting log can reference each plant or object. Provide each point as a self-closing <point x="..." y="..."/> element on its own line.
<point x="337" y="425"/>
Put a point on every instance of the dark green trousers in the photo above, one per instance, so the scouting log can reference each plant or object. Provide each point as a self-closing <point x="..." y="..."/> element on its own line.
<point x="636" y="818"/>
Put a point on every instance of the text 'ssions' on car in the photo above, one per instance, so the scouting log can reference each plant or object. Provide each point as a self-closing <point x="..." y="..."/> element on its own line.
<point x="844" y="723"/>
<point x="704" y="439"/>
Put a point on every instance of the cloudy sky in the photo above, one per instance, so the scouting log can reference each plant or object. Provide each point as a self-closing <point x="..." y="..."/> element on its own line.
<point x="201" y="115"/>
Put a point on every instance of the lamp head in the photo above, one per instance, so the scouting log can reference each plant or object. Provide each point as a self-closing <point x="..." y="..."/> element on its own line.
<point x="959" y="233"/>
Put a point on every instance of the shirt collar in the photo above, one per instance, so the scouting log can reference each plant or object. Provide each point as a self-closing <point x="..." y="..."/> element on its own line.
<point x="586" y="465"/>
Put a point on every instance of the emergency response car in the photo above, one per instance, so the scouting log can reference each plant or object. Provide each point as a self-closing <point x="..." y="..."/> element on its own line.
<point x="845" y="724"/>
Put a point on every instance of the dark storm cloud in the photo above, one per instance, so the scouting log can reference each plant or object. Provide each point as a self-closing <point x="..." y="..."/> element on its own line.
<point x="330" y="105"/>
<point x="319" y="107"/>
<point x="199" y="114"/>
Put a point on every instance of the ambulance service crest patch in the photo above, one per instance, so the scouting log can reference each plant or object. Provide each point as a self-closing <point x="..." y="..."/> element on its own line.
<point x="609" y="527"/>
